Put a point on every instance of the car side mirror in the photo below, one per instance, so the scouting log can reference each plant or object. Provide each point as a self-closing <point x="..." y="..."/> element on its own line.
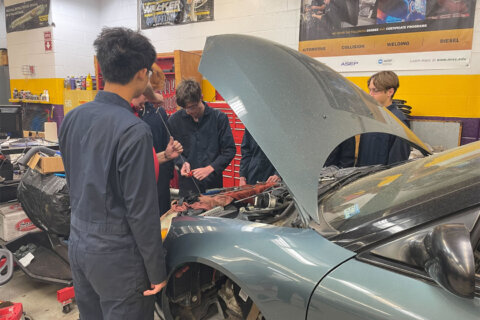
<point x="449" y="259"/>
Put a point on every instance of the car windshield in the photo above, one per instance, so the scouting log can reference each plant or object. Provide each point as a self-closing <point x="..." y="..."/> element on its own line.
<point x="384" y="193"/>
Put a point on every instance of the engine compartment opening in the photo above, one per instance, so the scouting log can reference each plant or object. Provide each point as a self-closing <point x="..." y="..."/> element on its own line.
<point x="196" y="291"/>
<point x="263" y="203"/>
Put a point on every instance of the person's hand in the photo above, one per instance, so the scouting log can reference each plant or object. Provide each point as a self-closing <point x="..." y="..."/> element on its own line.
<point x="173" y="150"/>
<point x="185" y="170"/>
<point x="155" y="289"/>
<point x="202" y="173"/>
<point x="243" y="181"/>
<point x="138" y="103"/>
<point x="156" y="99"/>
<point x="152" y="96"/>
<point x="274" y="178"/>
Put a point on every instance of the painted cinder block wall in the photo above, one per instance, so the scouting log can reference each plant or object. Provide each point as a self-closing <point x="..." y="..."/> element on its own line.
<point x="431" y="93"/>
<point x="439" y="93"/>
<point x="3" y="28"/>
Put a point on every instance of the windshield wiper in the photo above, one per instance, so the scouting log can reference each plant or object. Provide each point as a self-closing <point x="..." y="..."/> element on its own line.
<point x="332" y="180"/>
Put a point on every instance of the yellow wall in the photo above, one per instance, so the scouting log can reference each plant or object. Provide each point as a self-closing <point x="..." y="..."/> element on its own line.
<point x="36" y="86"/>
<point x="437" y="95"/>
<point x="432" y="95"/>
<point x="74" y="98"/>
<point x="208" y="91"/>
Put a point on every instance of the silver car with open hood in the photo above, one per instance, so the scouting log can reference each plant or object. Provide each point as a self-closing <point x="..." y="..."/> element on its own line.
<point x="399" y="242"/>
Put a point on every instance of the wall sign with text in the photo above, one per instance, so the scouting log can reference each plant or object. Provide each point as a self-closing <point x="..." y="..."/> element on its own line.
<point x="368" y="35"/>
<point x="29" y="14"/>
<point x="171" y="12"/>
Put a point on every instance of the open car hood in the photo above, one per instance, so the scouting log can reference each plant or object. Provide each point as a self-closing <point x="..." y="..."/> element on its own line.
<point x="297" y="109"/>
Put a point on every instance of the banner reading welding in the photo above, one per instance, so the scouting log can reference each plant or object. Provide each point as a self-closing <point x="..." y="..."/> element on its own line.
<point x="369" y="35"/>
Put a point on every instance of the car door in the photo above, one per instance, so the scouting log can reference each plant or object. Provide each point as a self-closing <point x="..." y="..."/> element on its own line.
<point x="358" y="290"/>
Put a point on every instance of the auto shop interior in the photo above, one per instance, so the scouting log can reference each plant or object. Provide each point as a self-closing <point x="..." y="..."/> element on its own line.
<point x="338" y="178"/>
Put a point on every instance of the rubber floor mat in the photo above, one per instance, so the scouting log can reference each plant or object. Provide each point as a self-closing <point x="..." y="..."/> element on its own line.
<point x="47" y="264"/>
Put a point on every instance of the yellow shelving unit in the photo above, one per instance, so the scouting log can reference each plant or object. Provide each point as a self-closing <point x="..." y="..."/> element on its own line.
<point x="29" y="101"/>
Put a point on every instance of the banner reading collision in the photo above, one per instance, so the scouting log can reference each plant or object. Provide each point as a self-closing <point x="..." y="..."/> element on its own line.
<point x="371" y="35"/>
<point x="29" y="14"/>
<point x="170" y="12"/>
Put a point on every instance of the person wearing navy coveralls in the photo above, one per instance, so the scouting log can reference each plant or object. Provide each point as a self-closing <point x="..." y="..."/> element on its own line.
<point x="206" y="137"/>
<point x="115" y="245"/>
<point x="255" y="166"/>
<point x="382" y="148"/>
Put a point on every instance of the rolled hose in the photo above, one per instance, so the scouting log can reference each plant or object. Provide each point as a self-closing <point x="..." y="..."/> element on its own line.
<point x="24" y="160"/>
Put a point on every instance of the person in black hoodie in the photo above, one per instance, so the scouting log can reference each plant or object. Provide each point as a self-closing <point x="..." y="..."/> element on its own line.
<point x="255" y="166"/>
<point x="206" y="137"/>
<point x="156" y="118"/>
<point x="382" y="148"/>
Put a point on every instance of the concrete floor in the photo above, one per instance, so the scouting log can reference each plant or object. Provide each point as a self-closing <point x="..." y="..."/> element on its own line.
<point x="39" y="299"/>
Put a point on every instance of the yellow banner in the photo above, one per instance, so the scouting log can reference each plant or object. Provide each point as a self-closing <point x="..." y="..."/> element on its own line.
<point x="445" y="40"/>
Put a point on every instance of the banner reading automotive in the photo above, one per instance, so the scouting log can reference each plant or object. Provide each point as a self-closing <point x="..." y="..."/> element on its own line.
<point x="169" y="12"/>
<point x="370" y="35"/>
<point x="26" y="15"/>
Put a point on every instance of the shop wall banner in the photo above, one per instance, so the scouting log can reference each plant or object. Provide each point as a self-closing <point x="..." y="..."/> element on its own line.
<point x="29" y="14"/>
<point x="370" y="35"/>
<point x="170" y="12"/>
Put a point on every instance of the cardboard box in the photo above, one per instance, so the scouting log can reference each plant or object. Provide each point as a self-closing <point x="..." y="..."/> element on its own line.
<point x="46" y="164"/>
<point x="14" y="222"/>
<point x="33" y="134"/>
<point x="3" y="57"/>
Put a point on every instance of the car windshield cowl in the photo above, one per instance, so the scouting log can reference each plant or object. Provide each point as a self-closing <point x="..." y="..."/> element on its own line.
<point x="331" y="179"/>
<point x="373" y="231"/>
<point x="382" y="199"/>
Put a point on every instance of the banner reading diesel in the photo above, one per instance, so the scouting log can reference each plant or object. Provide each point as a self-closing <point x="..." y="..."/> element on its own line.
<point x="30" y="14"/>
<point x="376" y="32"/>
<point x="169" y="12"/>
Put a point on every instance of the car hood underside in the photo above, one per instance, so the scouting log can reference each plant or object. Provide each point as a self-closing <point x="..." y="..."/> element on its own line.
<point x="297" y="109"/>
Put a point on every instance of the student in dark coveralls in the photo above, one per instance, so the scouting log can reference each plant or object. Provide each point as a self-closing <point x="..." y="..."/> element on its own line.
<point x="255" y="166"/>
<point x="156" y="117"/>
<point x="115" y="246"/>
<point x="382" y="148"/>
<point x="206" y="138"/>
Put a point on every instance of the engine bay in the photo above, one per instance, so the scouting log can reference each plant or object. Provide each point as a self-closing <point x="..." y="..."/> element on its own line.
<point x="262" y="203"/>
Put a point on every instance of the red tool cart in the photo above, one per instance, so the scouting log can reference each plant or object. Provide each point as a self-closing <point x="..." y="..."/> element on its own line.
<point x="231" y="175"/>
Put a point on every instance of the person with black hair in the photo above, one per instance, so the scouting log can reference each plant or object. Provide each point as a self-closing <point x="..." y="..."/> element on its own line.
<point x="206" y="137"/>
<point x="115" y="245"/>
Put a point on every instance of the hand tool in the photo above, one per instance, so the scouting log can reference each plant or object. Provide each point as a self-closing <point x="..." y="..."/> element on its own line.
<point x="190" y="174"/>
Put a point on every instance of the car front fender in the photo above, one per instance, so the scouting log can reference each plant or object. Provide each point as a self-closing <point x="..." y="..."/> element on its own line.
<point x="277" y="267"/>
